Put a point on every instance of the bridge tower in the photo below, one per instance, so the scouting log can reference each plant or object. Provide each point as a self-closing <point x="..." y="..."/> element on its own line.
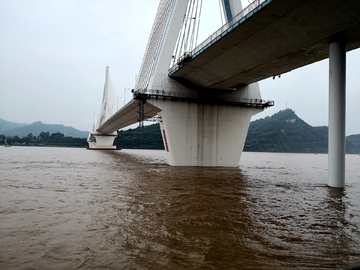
<point x="99" y="140"/>
<point x="203" y="131"/>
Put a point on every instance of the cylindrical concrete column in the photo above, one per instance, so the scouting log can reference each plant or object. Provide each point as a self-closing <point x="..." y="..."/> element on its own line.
<point x="337" y="105"/>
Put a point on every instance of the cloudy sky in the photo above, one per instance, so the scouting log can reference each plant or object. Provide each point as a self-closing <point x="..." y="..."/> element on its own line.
<point x="53" y="55"/>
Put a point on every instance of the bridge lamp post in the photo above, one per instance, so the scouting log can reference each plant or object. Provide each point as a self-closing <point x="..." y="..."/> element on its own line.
<point x="125" y="93"/>
<point x="337" y="114"/>
<point x="117" y="103"/>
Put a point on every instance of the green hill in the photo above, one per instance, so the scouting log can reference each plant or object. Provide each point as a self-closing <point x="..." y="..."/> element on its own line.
<point x="353" y="144"/>
<point x="37" y="127"/>
<point x="286" y="132"/>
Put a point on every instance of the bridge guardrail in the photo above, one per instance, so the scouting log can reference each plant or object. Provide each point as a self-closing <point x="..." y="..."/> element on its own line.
<point x="147" y="94"/>
<point x="223" y="30"/>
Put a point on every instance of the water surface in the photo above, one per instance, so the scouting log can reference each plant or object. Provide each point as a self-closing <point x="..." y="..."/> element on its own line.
<point x="63" y="208"/>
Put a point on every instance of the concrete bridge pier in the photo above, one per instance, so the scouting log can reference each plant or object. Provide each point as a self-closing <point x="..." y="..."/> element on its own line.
<point x="201" y="133"/>
<point x="337" y="106"/>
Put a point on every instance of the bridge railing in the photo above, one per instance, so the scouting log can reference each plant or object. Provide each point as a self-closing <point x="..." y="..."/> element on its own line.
<point x="163" y="93"/>
<point x="222" y="31"/>
<point x="148" y="94"/>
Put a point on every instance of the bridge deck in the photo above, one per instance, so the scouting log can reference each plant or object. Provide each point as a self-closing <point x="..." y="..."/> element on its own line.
<point x="277" y="37"/>
<point x="127" y="116"/>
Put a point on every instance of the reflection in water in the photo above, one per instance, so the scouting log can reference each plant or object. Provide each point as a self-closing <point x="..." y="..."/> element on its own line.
<point x="341" y="226"/>
<point x="130" y="210"/>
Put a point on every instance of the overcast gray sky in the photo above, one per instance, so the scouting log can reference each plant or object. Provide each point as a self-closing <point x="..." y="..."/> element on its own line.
<point x="53" y="55"/>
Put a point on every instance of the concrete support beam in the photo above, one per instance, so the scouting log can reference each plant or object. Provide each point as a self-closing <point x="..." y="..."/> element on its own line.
<point x="337" y="105"/>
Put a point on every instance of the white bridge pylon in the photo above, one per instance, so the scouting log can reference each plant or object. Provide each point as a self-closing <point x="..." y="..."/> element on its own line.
<point x="200" y="127"/>
<point x="98" y="140"/>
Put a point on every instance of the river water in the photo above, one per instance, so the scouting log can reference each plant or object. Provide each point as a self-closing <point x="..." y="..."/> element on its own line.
<point x="64" y="208"/>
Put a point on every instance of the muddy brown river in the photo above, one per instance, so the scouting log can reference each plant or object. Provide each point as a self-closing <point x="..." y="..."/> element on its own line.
<point x="63" y="208"/>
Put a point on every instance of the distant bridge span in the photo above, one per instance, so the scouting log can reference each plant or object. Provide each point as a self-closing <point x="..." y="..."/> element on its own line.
<point x="276" y="37"/>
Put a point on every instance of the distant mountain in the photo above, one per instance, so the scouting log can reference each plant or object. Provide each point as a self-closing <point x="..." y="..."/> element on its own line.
<point x="37" y="127"/>
<point x="6" y="125"/>
<point x="286" y="132"/>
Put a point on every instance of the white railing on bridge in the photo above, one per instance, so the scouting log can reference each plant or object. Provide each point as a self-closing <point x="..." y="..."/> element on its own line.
<point x="222" y="31"/>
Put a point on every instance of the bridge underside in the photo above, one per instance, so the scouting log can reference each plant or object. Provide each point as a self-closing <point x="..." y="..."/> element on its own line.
<point x="277" y="39"/>
<point x="127" y="116"/>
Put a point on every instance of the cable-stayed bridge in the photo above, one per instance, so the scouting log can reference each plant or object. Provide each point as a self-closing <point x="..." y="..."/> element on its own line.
<point x="205" y="96"/>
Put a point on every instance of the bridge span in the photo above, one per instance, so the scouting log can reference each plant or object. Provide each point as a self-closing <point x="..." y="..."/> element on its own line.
<point x="268" y="39"/>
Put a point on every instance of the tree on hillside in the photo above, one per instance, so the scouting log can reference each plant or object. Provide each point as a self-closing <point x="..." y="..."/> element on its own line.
<point x="57" y="135"/>
<point x="44" y="135"/>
